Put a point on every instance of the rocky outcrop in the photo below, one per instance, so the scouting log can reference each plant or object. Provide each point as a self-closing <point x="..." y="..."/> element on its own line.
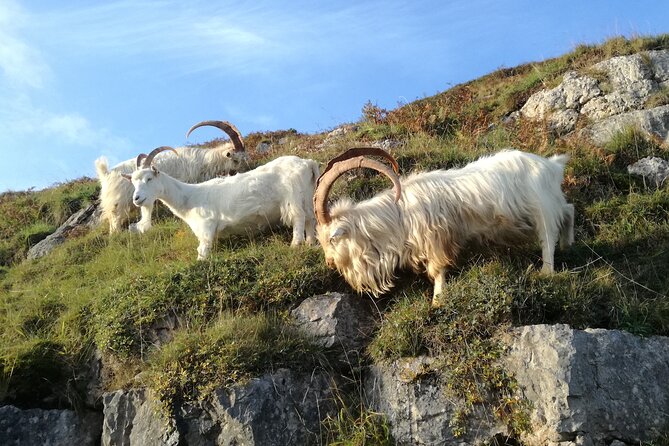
<point x="654" y="122"/>
<point x="601" y="385"/>
<point x="611" y="94"/>
<point x="281" y="408"/>
<point x="48" y="427"/>
<point x="131" y="419"/>
<point x="419" y="410"/>
<point x="654" y="170"/>
<point x="83" y="219"/>
<point x="586" y="387"/>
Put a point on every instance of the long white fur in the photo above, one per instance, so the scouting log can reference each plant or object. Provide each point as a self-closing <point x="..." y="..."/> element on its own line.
<point x="192" y="165"/>
<point x="502" y="198"/>
<point x="280" y="191"/>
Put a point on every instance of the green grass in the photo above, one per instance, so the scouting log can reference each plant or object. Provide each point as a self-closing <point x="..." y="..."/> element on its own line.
<point x="107" y="292"/>
<point x="230" y="350"/>
<point x="29" y="216"/>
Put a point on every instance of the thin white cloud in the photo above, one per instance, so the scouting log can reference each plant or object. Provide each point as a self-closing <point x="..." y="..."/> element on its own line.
<point x="21" y="64"/>
<point x="22" y="121"/>
<point x="233" y="37"/>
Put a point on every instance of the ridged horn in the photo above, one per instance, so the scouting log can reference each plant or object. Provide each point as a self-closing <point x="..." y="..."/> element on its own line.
<point x="149" y="158"/>
<point x="228" y="128"/>
<point x="141" y="157"/>
<point x="362" y="151"/>
<point x="337" y="169"/>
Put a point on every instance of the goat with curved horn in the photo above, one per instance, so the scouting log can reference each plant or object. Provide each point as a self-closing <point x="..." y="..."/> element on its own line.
<point x="192" y="165"/>
<point x="229" y="129"/>
<point x="499" y="198"/>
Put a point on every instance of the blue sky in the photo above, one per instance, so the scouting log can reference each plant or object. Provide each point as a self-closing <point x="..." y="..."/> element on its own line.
<point x="81" y="79"/>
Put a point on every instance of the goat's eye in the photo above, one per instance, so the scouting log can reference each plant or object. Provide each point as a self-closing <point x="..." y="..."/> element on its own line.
<point x="149" y="179"/>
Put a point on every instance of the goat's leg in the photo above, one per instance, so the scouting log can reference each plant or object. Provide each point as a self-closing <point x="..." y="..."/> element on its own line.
<point x="310" y="229"/>
<point x="567" y="231"/>
<point x="439" y="280"/>
<point x="298" y="228"/>
<point x="206" y="236"/>
<point x="115" y="223"/>
<point x="548" y="235"/>
<point x="204" y="248"/>
<point x="144" y="224"/>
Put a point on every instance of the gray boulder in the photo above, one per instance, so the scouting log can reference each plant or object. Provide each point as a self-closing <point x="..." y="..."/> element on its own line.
<point x="599" y="384"/>
<point x="83" y="219"/>
<point x="337" y="319"/>
<point x="417" y="407"/>
<point x="48" y="427"/>
<point x="654" y="170"/>
<point x="263" y="147"/>
<point x="654" y="121"/>
<point x="130" y="418"/>
<point x="283" y="408"/>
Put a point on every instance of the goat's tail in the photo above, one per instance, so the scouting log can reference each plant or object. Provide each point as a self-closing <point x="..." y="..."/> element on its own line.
<point x="102" y="167"/>
<point x="560" y="159"/>
<point x="315" y="172"/>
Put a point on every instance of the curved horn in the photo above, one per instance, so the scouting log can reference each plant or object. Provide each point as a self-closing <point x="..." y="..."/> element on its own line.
<point x="141" y="157"/>
<point x="149" y="158"/>
<point x="326" y="181"/>
<point x="228" y="128"/>
<point x="358" y="151"/>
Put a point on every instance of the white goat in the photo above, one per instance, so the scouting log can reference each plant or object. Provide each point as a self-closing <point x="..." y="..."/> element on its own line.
<point x="499" y="198"/>
<point x="189" y="164"/>
<point x="277" y="192"/>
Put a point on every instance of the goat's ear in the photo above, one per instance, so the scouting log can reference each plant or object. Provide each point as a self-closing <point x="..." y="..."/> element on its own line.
<point x="155" y="171"/>
<point x="126" y="176"/>
<point x="337" y="233"/>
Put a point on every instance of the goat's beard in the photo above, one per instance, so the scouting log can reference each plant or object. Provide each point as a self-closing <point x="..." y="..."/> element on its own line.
<point x="365" y="268"/>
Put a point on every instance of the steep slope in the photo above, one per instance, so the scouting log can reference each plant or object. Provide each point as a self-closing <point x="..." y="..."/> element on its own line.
<point x="154" y="317"/>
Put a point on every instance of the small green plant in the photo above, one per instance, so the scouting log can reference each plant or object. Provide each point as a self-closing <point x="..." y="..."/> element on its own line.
<point x="658" y="99"/>
<point x="358" y="426"/>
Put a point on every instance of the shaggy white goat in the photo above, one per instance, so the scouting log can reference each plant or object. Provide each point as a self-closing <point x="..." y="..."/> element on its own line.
<point x="430" y="217"/>
<point x="277" y="192"/>
<point x="189" y="164"/>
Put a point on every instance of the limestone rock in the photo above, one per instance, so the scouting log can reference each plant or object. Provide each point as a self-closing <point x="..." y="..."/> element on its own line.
<point x="337" y="319"/>
<point x="574" y="91"/>
<point x="131" y="419"/>
<point x="281" y="408"/>
<point x="632" y="80"/>
<point x="654" y="121"/>
<point x="83" y="219"/>
<point x="560" y="106"/>
<point x="387" y="144"/>
<point x="263" y="147"/>
<point x="417" y="407"/>
<point x="48" y="427"/>
<point x="604" y="384"/>
<point x="336" y="134"/>
<point x="587" y="388"/>
<point x="653" y="169"/>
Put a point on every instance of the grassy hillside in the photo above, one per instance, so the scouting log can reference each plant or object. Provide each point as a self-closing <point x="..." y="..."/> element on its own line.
<point x="106" y="292"/>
